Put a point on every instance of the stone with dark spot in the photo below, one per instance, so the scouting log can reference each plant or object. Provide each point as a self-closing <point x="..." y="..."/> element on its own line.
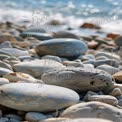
<point x="62" y="47"/>
<point x="78" y="79"/>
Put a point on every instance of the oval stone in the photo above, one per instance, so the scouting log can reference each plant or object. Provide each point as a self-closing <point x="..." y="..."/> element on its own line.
<point x="36" y="97"/>
<point x="75" y="120"/>
<point x="78" y="79"/>
<point x="93" y="110"/>
<point x="37" y="67"/>
<point x="61" y="47"/>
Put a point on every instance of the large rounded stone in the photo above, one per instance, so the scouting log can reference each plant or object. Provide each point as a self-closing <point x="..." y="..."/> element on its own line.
<point x="93" y="110"/>
<point x="4" y="71"/>
<point x="36" y="97"/>
<point x="61" y="47"/>
<point x="78" y="79"/>
<point x="37" y="67"/>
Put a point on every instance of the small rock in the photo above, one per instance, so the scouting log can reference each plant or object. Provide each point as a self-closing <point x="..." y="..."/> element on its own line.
<point x="118" y="76"/>
<point x="4" y="119"/>
<point x="104" y="98"/>
<point x="19" y="76"/>
<point x="15" y="52"/>
<point x="5" y="44"/>
<point x="50" y="57"/>
<point x="116" y="92"/>
<point x="37" y="35"/>
<point x="5" y="65"/>
<point x="65" y="34"/>
<point x="111" y="70"/>
<point x="112" y="35"/>
<point x="4" y="71"/>
<point x="34" y="116"/>
<point x="3" y="81"/>
<point x="90" y="26"/>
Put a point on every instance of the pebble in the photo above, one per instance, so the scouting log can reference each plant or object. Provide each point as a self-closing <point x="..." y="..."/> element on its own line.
<point x="4" y="71"/>
<point x="72" y="64"/>
<point x="62" y="47"/>
<point x="118" y="41"/>
<point x="51" y="57"/>
<point x="65" y="34"/>
<point x="35" y="116"/>
<point x="118" y="76"/>
<point x="116" y="92"/>
<point x="78" y="79"/>
<point x="15" y="52"/>
<point x="93" y="110"/>
<point x="6" y="44"/>
<point x="111" y="55"/>
<point x="38" y="67"/>
<point x="5" y="65"/>
<point x="104" y="98"/>
<point x="2" y="56"/>
<point x="36" y="97"/>
<point x="38" y="35"/>
<point x="110" y="69"/>
<point x="19" y="76"/>
<point x="3" y="81"/>
<point x="97" y="63"/>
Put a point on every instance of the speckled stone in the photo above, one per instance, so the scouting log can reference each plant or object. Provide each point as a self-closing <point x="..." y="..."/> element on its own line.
<point x="93" y="110"/>
<point x="78" y="79"/>
<point x="62" y="47"/>
<point x="36" y="97"/>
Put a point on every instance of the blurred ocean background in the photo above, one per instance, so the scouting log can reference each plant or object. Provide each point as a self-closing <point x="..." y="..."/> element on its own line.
<point x="106" y="13"/>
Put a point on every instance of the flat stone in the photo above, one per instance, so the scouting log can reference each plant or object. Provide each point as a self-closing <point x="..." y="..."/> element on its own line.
<point x="36" y="97"/>
<point x="15" y="52"/>
<point x="104" y="98"/>
<point x="78" y="79"/>
<point x="62" y="47"/>
<point x="118" y="76"/>
<point x="35" y="116"/>
<point x="3" y="81"/>
<point x="38" y="35"/>
<point x="97" y="63"/>
<point x="4" y="71"/>
<point x="75" y="120"/>
<point x="111" y="55"/>
<point x="110" y="69"/>
<point x="37" y="67"/>
<point x="93" y="110"/>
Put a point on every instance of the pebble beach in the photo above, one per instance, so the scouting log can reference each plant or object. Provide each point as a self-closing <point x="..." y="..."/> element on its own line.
<point x="58" y="72"/>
